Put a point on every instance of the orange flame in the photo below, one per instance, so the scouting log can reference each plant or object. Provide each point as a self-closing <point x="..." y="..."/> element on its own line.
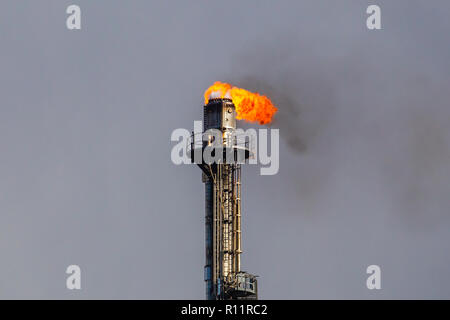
<point x="249" y="106"/>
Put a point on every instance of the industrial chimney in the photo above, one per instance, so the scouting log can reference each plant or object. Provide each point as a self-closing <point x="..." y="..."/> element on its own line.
<point x="222" y="178"/>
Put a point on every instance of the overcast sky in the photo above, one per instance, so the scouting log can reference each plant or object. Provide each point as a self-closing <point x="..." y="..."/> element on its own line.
<point x="85" y="124"/>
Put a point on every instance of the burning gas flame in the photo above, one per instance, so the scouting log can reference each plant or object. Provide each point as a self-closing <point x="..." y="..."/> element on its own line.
<point x="249" y="106"/>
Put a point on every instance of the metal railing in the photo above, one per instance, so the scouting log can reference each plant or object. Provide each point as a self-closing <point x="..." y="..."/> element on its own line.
<point x="239" y="140"/>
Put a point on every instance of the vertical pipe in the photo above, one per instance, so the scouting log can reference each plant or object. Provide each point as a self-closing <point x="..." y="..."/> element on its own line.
<point x="209" y="207"/>
<point x="234" y="248"/>
<point x="225" y="221"/>
<point x="219" y="230"/>
<point x="230" y="220"/>
<point x="214" y="236"/>
<point x="238" y="218"/>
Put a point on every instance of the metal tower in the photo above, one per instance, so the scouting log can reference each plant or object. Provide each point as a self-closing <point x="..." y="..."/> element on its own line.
<point x="222" y="178"/>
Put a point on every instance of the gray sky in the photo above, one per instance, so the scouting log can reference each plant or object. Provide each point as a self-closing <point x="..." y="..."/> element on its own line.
<point x="85" y="124"/>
